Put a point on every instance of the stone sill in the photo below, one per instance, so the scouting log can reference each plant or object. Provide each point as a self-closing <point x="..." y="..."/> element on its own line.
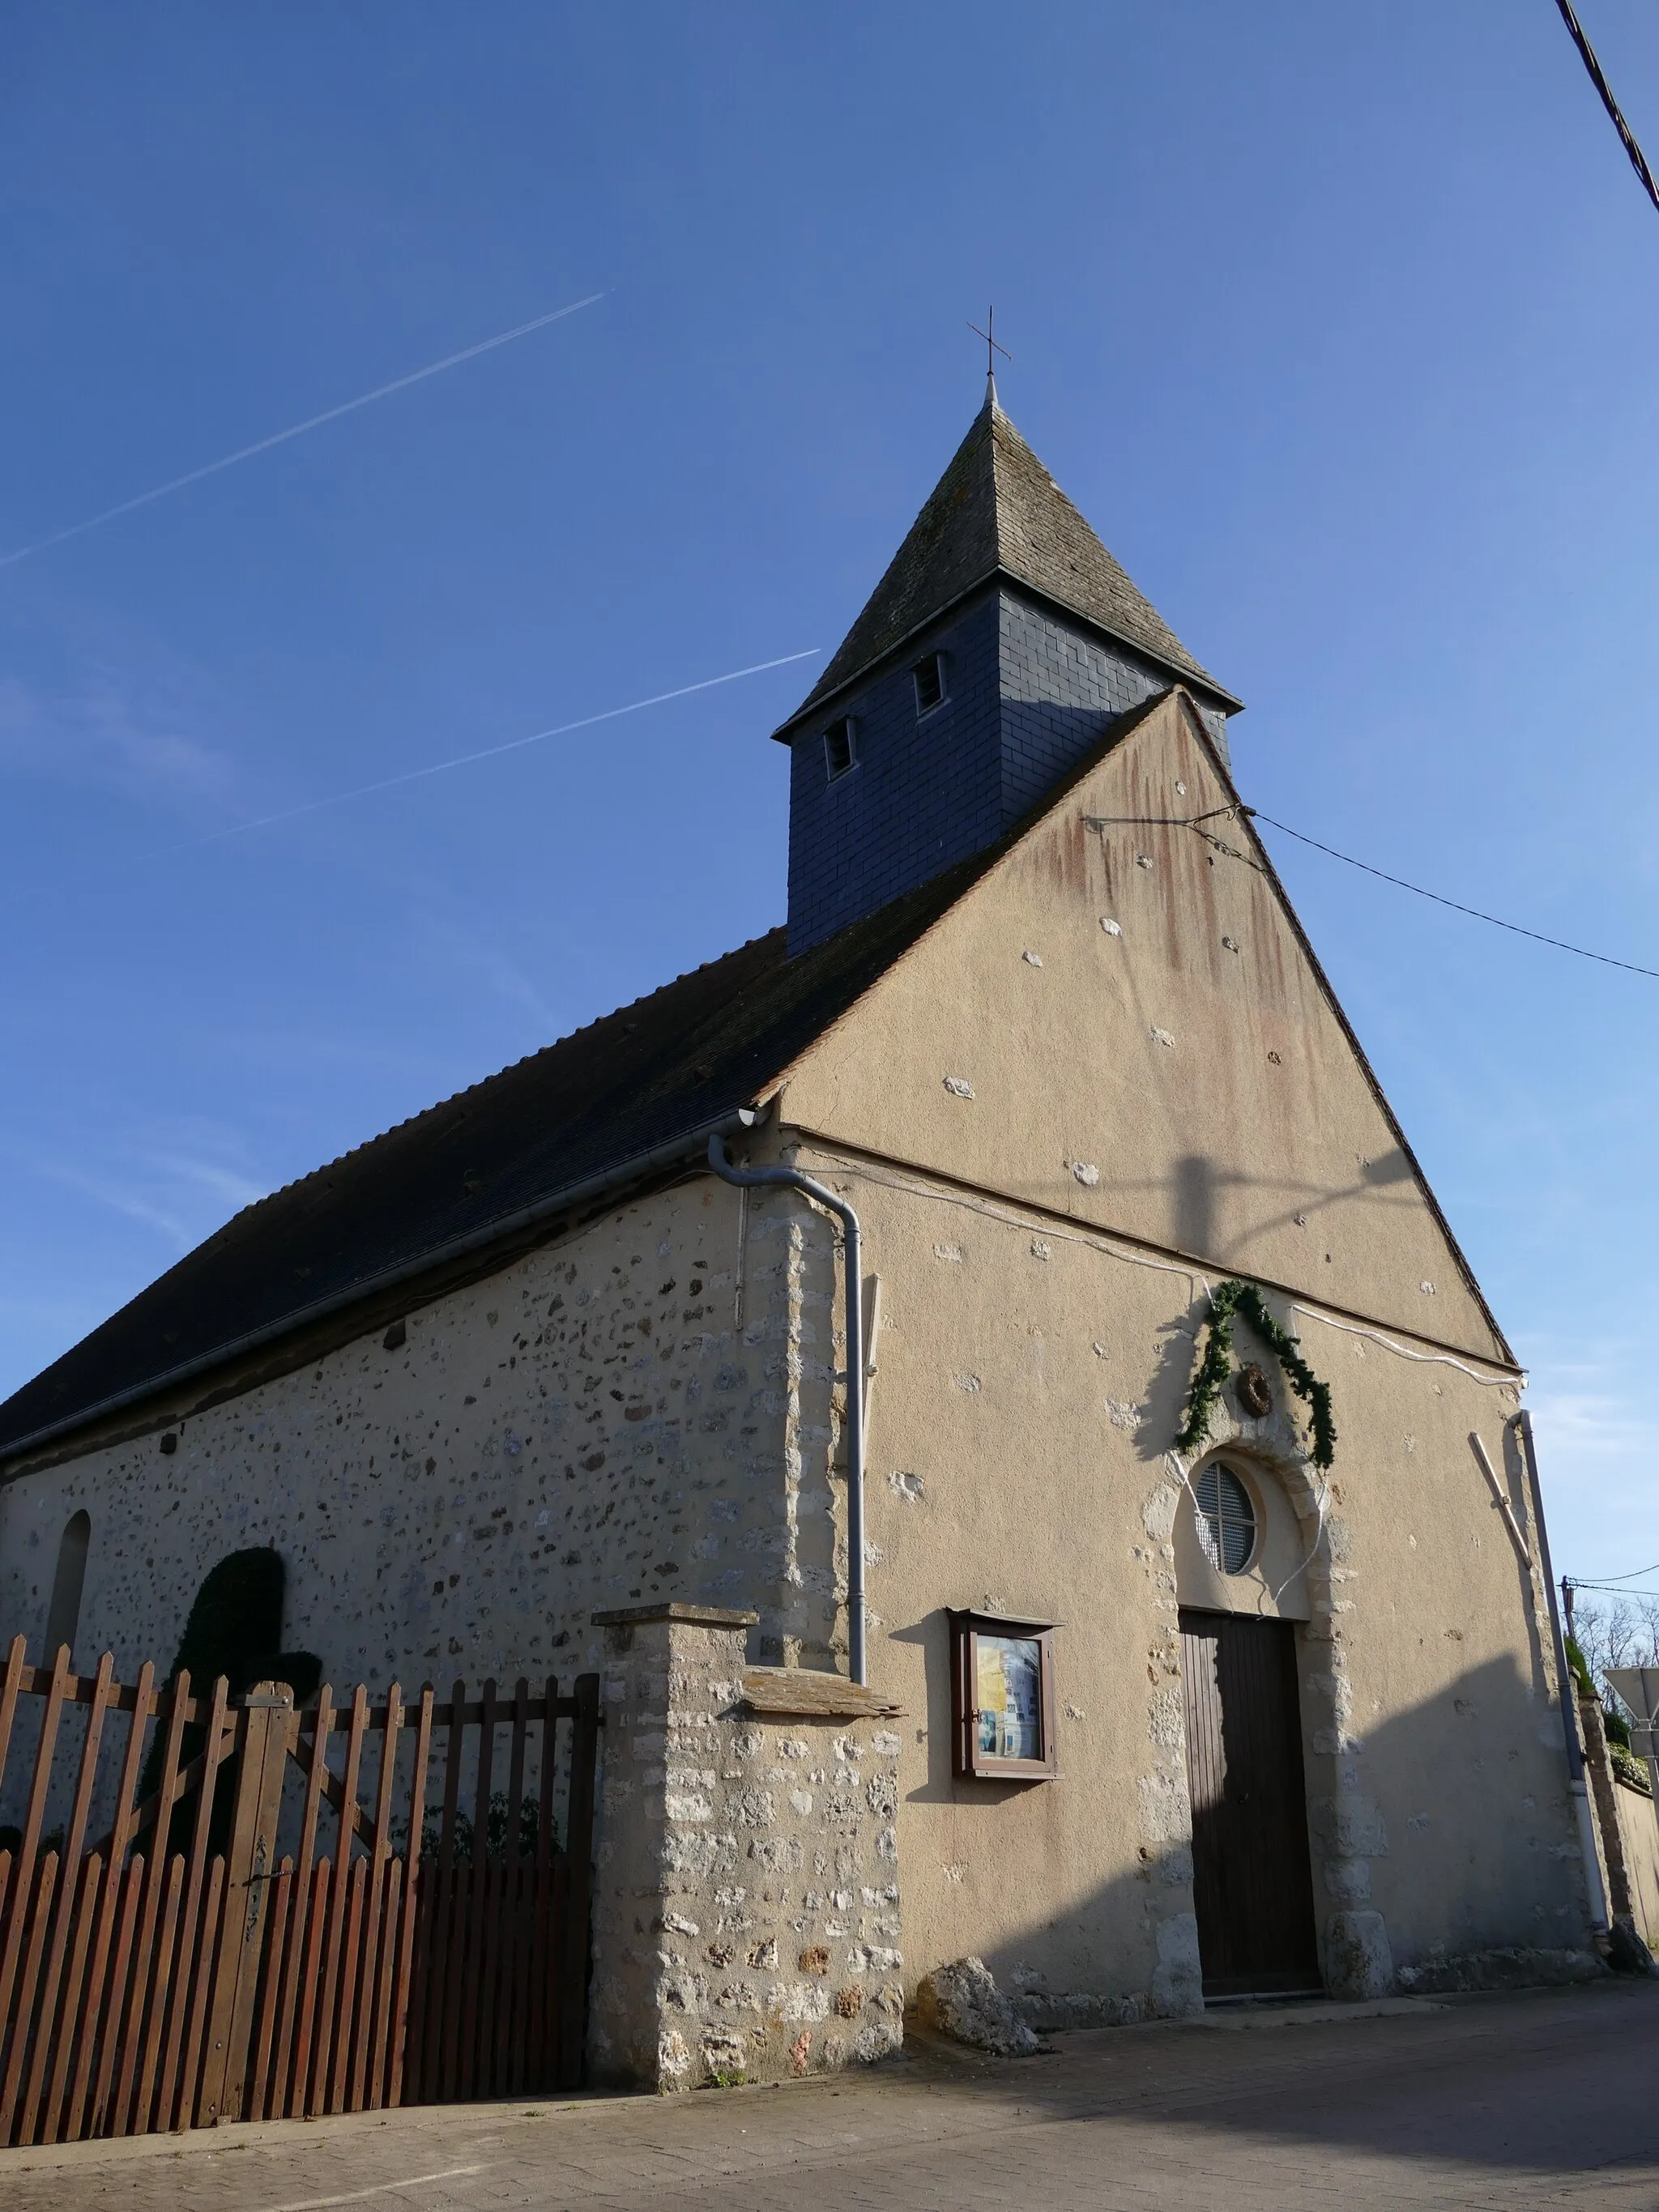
<point x="804" y="1693"/>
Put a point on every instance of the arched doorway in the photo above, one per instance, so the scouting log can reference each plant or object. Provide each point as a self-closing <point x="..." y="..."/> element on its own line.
<point x="1238" y="1549"/>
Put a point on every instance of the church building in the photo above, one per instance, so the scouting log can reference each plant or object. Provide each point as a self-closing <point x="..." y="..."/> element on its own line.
<point x="1114" y="1426"/>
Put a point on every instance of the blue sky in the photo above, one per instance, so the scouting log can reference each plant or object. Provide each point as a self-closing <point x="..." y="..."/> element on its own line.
<point x="1339" y="324"/>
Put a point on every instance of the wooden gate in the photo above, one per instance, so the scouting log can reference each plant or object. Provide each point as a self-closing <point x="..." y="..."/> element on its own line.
<point x="1252" y="1889"/>
<point x="165" y="1962"/>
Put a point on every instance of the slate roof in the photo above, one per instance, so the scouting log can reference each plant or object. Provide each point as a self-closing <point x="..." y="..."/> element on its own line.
<point x="666" y="1065"/>
<point x="997" y="511"/>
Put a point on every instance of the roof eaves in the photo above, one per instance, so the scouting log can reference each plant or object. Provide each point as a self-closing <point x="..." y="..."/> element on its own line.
<point x="815" y="703"/>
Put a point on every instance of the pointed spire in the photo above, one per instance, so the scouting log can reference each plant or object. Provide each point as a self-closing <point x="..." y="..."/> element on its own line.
<point x="996" y="511"/>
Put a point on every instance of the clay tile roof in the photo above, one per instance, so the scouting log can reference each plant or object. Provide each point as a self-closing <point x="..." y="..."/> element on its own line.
<point x="997" y="511"/>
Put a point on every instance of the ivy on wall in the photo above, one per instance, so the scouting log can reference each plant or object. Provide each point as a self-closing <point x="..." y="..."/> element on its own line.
<point x="1242" y="1300"/>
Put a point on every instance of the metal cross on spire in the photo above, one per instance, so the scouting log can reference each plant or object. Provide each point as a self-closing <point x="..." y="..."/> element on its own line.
<point x="992" y="350"/>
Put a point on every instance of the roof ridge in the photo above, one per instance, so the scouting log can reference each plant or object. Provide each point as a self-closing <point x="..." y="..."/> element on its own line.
<point x="998" y="510"/>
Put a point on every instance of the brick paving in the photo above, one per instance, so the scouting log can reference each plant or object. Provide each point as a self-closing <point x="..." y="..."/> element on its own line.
<point x="1524" y="2102"/>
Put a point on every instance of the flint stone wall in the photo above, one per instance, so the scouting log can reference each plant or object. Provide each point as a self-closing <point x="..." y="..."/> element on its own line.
<point x="746" y="1896"/>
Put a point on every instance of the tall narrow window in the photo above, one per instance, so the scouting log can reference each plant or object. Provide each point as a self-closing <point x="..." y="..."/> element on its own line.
<point x="64" y="1613"/>
<point x="839" y="750"/>
<point x="929" y="675"/>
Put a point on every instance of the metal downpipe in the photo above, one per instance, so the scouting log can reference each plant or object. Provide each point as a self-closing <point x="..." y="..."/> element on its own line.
<point x="793" y="1179"/>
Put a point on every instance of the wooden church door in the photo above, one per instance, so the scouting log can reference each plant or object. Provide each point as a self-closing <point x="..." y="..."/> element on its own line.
<point x="1252" y="1888"/>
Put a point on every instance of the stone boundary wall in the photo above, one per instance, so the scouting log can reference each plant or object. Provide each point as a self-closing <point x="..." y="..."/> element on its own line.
<point x="746" y="1899"/>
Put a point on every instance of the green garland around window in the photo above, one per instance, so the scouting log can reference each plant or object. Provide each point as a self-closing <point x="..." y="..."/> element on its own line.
<point x="1243" y="1299"/>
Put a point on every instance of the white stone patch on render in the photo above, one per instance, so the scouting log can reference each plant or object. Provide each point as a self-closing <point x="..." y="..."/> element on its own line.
<point x="1178" y="1981"/>
<point x="1086" y="1173"/>
<point x="963" y="2001"/>
<point x="1032" y="959"/>
<point x="968" y="1382"/>
<point x="910" y="1488"/>
<point x="1040" y="1249"/>
<point x="958" y="1086"/>
<point x="1158" y="1515"/>
<point x="1161" y="1036"/>
<point x="1166" y="1813"/>
<point x="1112" y="928"/>
<point x="951" y="1253"/>
<point x="1122" y="1416"/>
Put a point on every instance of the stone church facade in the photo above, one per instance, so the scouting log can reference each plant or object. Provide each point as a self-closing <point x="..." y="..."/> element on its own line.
<point x="525" y="1387"/>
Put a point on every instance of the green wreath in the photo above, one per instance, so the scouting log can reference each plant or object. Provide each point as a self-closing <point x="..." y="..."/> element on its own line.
<point x="1229" y="1299"/>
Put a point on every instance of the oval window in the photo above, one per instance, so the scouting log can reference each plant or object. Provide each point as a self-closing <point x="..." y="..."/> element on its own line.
<point x="1226" y="1519"/>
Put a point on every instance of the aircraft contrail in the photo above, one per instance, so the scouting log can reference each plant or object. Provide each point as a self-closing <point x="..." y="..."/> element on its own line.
<point x="489" y="752"/>
<point x="299" y="429"/>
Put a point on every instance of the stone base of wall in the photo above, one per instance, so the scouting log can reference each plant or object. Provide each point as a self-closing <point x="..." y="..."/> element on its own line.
<point x="1050" y="2012"/>
<point x="1521" y="1968"/>
<point x="746" y="1921"/>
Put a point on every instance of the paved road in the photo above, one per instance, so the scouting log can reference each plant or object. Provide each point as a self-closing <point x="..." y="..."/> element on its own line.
<point x="1538" y="2099"/>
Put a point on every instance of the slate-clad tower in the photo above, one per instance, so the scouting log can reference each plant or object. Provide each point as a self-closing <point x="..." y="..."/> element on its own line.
<point x="1000" y="643"/>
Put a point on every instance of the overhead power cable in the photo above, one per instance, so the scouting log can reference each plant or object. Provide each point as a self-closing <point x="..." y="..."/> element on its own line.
<point x="1598" y="78"/>
<point x="299" y="429"/>
<point x="1195" y="822"/>
<point x="1457" y="905"/>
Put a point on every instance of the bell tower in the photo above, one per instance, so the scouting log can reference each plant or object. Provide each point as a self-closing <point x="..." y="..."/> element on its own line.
<point x="999" y="647"/>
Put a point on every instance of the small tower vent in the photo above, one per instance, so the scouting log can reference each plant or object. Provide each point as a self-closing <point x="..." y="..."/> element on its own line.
<point x="840" y="748"/>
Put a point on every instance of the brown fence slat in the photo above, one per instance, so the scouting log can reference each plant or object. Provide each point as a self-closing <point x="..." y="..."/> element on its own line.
<point x="180" y="2012"/>
<point x="374" y="1935"/>
<point x="480" y="1950"/>
<point x="203" y="1944"/>
<point x="438" y="2084"/>
<point x="104" y="1993"/>
<point x="293" y="2006"/>
<point x="146" y="1989"/>
<point x="60" y="2004"/>
<point x="151" y="1995"/>
<point x="142" y="2026"/>
<point x="349" y="2019"/>
<point x="328" y="2009"/>
<point x="509" y="2036"/>
<point x="76" y="2036"/>
<point x="380" y="2037"/>
<point x="69" y="1896"/>
<point x="255" y="2104"/>
<point x="313" y="1928"/>
<point x="537" y="2055"/>
<point x="114" y="2004"/>
<point x="28" y="1981"/>
<point x="570" y="1978"/>
<point x="406" y="1988"/>
<point x="23" y="1890"/>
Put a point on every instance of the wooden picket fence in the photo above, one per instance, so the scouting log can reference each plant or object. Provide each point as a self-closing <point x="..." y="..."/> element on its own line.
<point x="166" y="1963"/>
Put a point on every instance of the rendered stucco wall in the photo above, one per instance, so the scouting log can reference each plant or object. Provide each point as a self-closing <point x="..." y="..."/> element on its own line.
<point x="1030" y="1380"/>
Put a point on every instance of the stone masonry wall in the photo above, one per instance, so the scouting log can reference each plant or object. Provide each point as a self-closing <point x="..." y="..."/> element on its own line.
<point x="746" y="1914"/>
<point x="639" y="1412"/>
